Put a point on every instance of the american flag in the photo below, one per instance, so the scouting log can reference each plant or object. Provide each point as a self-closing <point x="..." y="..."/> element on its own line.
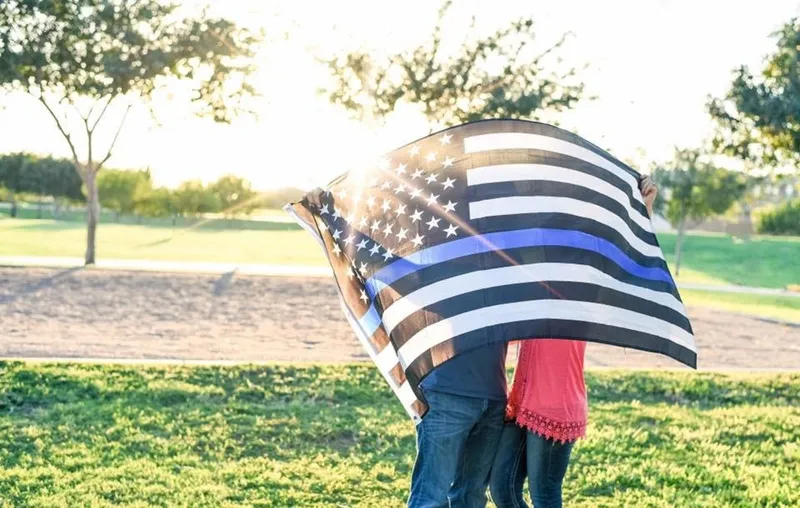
<point x="494" y="231"/>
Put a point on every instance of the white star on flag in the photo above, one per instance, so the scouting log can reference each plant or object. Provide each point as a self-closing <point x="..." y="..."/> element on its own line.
<point x="386" y="185"/>
<point x="374" y="249"/>
<point x="388" y="255"/>
<point x="324" y="209"/>
<point x="417" y="215"/>
<point x="431" y="178"/>
<point x="416" y="174"/>
<point x="401" y="209"/>
<point x="451" y="231"/>
<point x="370" y="201"/>
<point x="386" y="206"/>
<point x="400" y="188"/>
<point x="336" y="249"/>
<point x="363" y="268"/>
<point x="431" y="157"/>
<point x="336" y="214"/>
<point x="376" y="225"/>
<point x="349" y="240"/>
<point x="448" y="161"/>
<point x="433" y="223"/>
<point x="416" y="193"/>
<point x="337" y="234"/>
<point x="432" y="199"/>
<point x="364" y="222"/>
<point x="387" y="230"/>
<point x="417" y="240"/>
<point x="446" y="139"/>
<point x="362" y="244"/>
<point x="448" y="184"/>
<point x="450" y="206"/>
<point x="364" y="296"/>
<point x="415" y="150"/>
<point x="401" y="235"/>
<point x="401" y="169"/>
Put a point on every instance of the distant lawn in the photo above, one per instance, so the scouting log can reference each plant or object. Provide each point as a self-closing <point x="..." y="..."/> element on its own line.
<point x="772" y="262"/>
<point x="80" y="435"/>
<point x="765" y="261"/>
<point x="283" y="244"/>
<point x="777" y="307"/>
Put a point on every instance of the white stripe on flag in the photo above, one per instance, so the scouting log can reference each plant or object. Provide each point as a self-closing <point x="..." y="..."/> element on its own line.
<point x="546" y="204"/>
<point x="386" y="359"/>
<point x="402" y="391"/>
<point x="519" y="274"/>
<point x="540" y="309"/>
<point x="512" y="140"/>
<point x="544" y="172"/>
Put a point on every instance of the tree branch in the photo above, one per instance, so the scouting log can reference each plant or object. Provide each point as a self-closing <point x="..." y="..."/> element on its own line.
<point x="102" y="112"/>
<point x="64" y="133"/>
<point x="114" y="141"/>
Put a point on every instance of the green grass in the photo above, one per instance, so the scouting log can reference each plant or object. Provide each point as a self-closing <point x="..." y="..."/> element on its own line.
<point x="283" y="244"/>
<point x="711" y="259"/>
<point x="770" y="262"/>
<point x="283" y="435"/>
<point x="776" y="307"/>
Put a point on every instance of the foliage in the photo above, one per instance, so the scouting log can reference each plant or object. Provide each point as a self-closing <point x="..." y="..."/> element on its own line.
<point x="194" y="198"/>
<point x="158" y="202"/>
<point x="122" y="191"/>
<point x="693" y="190"/>
<point x="285" y="435"/>
<point x="758" y="119"/>
<point x="43" y="176"/>
<point x="497" y="76"/>
<point x="235" y="195"/>
<point x="84" y="57"/>
<point x="783" y="220"/>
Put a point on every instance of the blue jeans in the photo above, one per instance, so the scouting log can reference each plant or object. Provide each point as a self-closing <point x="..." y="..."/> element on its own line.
<point x="523" y="454"/>
<point x="456" y="443"/>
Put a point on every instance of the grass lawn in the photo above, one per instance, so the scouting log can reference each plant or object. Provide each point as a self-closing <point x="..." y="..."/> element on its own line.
<point x="710" y="259"/>
<point x="770" y="262"/>
<point x="276" y="243"/>
<point x="93" y="435"/>
<point x="776" y="307"/>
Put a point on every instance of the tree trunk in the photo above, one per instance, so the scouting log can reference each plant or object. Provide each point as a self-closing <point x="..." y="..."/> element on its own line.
<point x="92" y="213"/>
<point x="679" y="245"/>
<point x="747" y="215"/>
<point x="13" y="206"/>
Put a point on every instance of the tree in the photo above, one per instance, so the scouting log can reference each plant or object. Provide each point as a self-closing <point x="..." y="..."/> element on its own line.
<point x="467" y="86"/>
<point x="694" y="190"/>
<point x="121" y="191"/>
<point x="235" y="195"/>
<point x="194" y="198"/>
<point x="158" y="202"/>
<point x="758" y="120"/>
<point x="11" y="171"/>
<point x="80" y="58"/>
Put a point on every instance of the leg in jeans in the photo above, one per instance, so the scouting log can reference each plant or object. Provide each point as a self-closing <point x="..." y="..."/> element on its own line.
<point x="441" y="438"/>
<point x="509" y="469"/>
<point x="547" y="465"/>
<point x="472" y="478"/>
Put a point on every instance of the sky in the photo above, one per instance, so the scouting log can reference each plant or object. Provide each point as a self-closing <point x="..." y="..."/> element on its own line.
<point x="651" y="64"/>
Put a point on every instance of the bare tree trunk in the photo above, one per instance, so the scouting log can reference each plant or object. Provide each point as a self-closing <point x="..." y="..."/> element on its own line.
<point x="679" y="245"/>
<point x="13" y="206"/>
<point x="747" y="215"/>
<point x="92" y="214"/>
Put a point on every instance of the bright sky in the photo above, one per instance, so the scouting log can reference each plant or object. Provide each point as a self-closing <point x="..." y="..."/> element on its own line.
<point x="653" y="64"/>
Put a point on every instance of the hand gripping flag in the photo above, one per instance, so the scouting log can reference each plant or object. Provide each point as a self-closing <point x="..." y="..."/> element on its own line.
<point x="494" y="231"/>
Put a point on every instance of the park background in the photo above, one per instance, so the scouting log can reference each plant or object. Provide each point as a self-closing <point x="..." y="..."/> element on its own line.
<point x="195" y="354"/>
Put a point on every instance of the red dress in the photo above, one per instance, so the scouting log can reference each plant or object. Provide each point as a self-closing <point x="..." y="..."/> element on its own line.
<point x="548" y="396"/>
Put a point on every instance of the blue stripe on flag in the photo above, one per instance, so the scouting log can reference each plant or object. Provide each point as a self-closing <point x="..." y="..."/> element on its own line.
<point x="504" y="240"/>
<point x="370" y="321"/>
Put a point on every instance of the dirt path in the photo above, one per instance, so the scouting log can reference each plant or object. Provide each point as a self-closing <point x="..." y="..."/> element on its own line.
<point x="104" y="314"/>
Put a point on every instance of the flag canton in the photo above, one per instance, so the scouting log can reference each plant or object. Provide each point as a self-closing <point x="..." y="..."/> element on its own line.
<point x="410" y="200"/>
